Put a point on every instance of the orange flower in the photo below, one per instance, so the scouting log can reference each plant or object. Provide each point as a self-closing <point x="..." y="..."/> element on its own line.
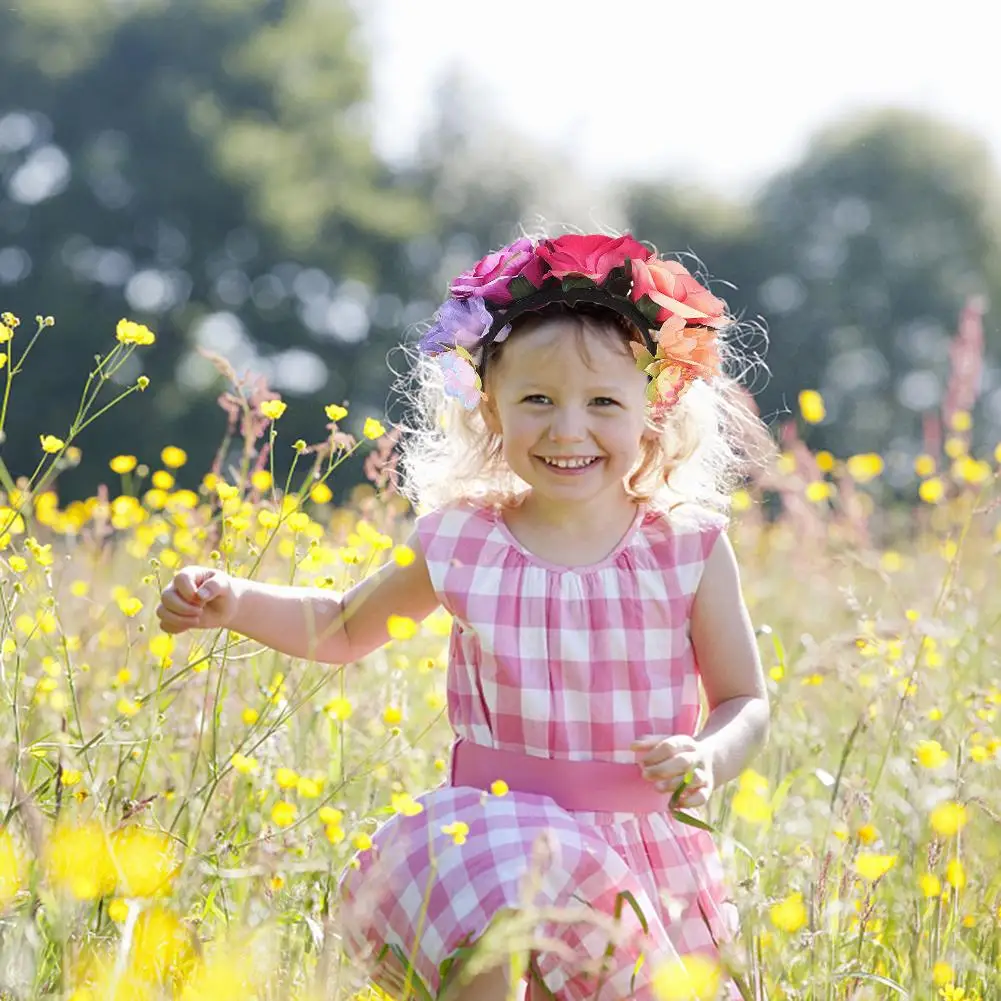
<point x="671" y="286"/>
<point x="684" y="354"/>
<point x="694" y="346"/>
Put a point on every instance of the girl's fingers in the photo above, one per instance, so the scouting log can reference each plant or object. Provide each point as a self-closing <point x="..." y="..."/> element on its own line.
<point x="177" y="624"/>
<point x="176" y="604"/>
<point x="693" y="796"/>
<point x="673" y="769"/>
<point x="184" y="585"/>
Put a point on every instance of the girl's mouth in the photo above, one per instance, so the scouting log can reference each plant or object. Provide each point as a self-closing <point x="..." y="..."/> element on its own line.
<point x="570" y="466"/>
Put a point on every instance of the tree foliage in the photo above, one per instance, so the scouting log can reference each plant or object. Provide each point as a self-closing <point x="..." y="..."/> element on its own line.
<point x="207" y="168"/>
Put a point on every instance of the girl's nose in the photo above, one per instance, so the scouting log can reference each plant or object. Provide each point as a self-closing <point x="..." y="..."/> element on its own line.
<point x="567" y="425"/>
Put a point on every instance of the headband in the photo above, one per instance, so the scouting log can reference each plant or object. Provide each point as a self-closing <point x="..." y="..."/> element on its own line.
<point x="677" y="317"/>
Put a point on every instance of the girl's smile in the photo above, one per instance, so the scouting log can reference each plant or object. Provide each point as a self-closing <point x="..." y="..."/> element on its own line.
<point x="569" y="465"/>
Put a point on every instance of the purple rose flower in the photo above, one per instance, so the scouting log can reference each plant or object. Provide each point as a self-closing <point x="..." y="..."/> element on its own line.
<point x="490" y="277"/>
<point x="458" y="323"/>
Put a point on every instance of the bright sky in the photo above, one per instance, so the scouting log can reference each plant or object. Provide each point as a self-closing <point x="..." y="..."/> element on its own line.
<point x="718" y="92"/>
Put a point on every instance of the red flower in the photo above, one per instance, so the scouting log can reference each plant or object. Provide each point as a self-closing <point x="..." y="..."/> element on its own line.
<point x="677" y="293"/>
<point x="592" y="256"/>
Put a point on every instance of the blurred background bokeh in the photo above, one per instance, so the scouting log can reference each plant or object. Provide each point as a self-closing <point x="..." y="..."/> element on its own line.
<point x="289" y="184"/>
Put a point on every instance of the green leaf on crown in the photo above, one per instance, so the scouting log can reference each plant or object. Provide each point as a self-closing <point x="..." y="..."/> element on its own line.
<point x="648" y="308"/>
<point x="619" y="281"/>
<point x="577" y="281"/>
<point x="520" y="286"/>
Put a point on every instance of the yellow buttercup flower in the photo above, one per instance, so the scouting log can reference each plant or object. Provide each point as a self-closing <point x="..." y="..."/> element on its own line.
<point x="931" y="754"/>
<point x="373" y="429"/>
<point x="321" y="494"/>
<point x="173" y="457"/>
<point x="400" y="627"/>
<point x="227" y="973"/>
<point x="961" y="421"/>
<point x="286" y="778"/>
<point x="932" y="490"/>
<point x="867" y="834"/>
<point x="78" y="860"/>
<point x="955" y="874"/>
<point x="403" y="556"/>
<point x="144" y="860"/>
<point x="129" y="332"/>
<point x="873" y="867"/>
<point x="948" y="819"/>
<point x="50" y="443"/>
<point x="824" y="461"/>
<point x="789" y="915"/>
<point x="405" y="804"/>
<point x="339" y="708"/>
<point x="931" y="885"/>
<point x="865" y="467"/>
<point x="130" y="606"/>
<point x="750" y="803"/>
<point x="284" y="813"/>
<point x="244" y="765"/>
<point x="335" y="413"/>
<point x="273" y="409"/>
<point x="163" y="950"/>
<point x="818" y="491"/>
<point x="11" y="869"/>
<point x="123" y="464"/>
<point x="811" y="406"/>
<point x="458" y="831"/>
<point x="689" y="978"/>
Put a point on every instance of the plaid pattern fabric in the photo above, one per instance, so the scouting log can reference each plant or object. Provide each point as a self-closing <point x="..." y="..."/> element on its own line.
<point x="562" y="663"/>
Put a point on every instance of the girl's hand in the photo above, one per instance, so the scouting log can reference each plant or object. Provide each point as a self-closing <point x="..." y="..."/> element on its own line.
<point x="197" y="598"/>
<point x="666" y="761"/>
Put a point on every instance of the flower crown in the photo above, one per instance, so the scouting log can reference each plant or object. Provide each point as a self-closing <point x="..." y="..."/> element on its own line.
<point x="677" y="318"/>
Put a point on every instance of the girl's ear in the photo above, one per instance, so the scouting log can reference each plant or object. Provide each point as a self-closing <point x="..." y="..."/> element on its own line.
<point x="491" y="418"/>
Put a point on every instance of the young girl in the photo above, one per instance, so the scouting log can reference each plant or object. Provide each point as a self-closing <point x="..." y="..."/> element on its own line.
<point x="572" y="453"/>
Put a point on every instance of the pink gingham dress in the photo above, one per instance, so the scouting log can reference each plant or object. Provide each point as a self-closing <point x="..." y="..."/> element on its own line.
<point x="556" y="662"/>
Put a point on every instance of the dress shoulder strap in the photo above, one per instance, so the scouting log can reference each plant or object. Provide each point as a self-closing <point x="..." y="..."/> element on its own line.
<point x="452" y="537"/>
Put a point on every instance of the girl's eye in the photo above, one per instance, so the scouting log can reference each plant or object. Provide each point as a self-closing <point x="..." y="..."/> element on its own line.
<point x="606" y="401"/>
<point x="536" y="398"/>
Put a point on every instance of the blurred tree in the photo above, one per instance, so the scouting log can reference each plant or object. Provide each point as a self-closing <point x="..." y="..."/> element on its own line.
<point x="874" y="242"/>
<point x="205" y="167"/>
<point x="859" y="259"/>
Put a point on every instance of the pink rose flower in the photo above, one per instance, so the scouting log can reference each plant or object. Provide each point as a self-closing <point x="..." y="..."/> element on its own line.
<point x="489" y="278"/>
<point x="671" y="287"/>
<point x="592" y="256"/>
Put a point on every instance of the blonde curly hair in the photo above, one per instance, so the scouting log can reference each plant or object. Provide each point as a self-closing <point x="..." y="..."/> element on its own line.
<point x="696" y="456"/>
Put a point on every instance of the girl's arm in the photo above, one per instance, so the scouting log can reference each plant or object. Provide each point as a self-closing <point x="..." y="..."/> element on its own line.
<point x="312" y="623"/>
<point x="727" y="655"/>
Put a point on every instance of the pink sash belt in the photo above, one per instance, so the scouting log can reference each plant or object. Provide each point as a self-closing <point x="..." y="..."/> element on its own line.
<point x="599" y="786"/>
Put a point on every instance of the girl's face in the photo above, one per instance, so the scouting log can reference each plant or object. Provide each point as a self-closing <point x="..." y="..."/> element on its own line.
<point x="556" y="405"/>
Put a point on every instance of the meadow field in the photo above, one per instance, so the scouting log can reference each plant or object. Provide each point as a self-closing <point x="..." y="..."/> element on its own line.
<point x="175" y="812"/>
